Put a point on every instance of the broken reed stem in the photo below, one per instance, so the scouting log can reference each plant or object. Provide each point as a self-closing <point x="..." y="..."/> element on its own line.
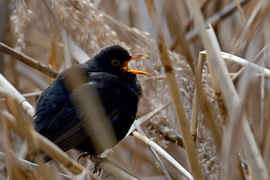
<point x="7" y="89"/>
<point x="46" y="145"/>
<point x="28" y="60"/>
<point x="255" y="60"/>
<point x="163" y="153"/>
<point x="180" y="111"/>
<point x="147" y="117"/>
<point x="243" y="62"/>
<point x="195" y="108"/>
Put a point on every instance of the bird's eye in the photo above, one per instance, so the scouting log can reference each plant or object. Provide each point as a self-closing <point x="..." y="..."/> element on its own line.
<point x="115" y="62"/>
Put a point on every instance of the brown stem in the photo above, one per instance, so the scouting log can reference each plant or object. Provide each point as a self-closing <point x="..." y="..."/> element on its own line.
<point x="27" y="60"/>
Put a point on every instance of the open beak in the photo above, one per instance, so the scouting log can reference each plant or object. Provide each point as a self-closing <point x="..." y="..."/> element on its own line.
<point x="134" y="56"/>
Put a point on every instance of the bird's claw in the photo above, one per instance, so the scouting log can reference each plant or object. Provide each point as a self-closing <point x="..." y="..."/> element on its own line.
<point x="98" y="166"/>
<point x="95" y="159"/>
<point x="97" y="169"/>
<point x="84" y="155"/>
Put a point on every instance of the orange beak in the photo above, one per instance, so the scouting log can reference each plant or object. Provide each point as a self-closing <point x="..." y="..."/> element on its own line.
<point x="134" y="56"/>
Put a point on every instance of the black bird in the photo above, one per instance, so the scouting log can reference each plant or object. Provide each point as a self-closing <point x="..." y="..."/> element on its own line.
<point x="109" y="75"/>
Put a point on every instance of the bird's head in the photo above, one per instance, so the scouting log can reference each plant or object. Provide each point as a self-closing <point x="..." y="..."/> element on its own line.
<point x="114" y="59"/>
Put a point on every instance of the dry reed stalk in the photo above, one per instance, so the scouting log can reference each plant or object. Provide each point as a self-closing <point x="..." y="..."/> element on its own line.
<point x="7" y="89"/>
<point x="255" y="60"/>
<point x="240" y="9"/>
<point x="247" y="29"/>
<point x="232" y="102"/>
<point x="195" y="108"/>
<point x="262" y="93"/>
<point x="180" y="112"/>
<point x="27" y="60"/>
<point x="216" y="18"/>
<point x="4" y="19"/>
<point x="163" y="153"/>
<point x="243" y="62"/>
<point x="147" y="117"/>
<point x="227" y="88"/>
<point x="184" y="45"/>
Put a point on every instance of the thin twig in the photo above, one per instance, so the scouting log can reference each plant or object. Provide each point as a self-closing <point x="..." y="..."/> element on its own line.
<point x="240" y="9"/>
<point x="249" y="25"/>
<point x="27" y="60"/>
<point x="147" y="117"/>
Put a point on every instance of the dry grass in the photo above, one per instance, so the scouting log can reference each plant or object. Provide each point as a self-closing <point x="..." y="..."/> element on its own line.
<point x="59" y="34"/>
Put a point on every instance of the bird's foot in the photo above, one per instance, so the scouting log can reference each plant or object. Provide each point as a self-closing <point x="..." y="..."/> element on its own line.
<point x="97" y="169"/>
<point x="96" y="159"/>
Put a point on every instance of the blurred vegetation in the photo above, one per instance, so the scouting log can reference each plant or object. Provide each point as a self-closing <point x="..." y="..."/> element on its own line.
<point x="62" y="33"/>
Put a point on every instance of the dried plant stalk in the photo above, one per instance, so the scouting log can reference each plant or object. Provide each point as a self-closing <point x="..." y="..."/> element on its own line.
<point x="195" y="108"/>
<point x="29" y="61"/>
<point x="232" y="102"/>
<point x="163" y="153"/>
<point x="180" y="112"/>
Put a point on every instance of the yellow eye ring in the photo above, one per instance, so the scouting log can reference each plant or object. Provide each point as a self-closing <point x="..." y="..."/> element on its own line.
<point x="115" y="62"/>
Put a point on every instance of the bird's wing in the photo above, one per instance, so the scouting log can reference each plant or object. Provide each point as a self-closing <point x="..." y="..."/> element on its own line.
<point x="66" y="130"/>
<point x="54" y="102"/>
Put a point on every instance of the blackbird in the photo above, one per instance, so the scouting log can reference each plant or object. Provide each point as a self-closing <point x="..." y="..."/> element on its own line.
<point x="108" y="73"/>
